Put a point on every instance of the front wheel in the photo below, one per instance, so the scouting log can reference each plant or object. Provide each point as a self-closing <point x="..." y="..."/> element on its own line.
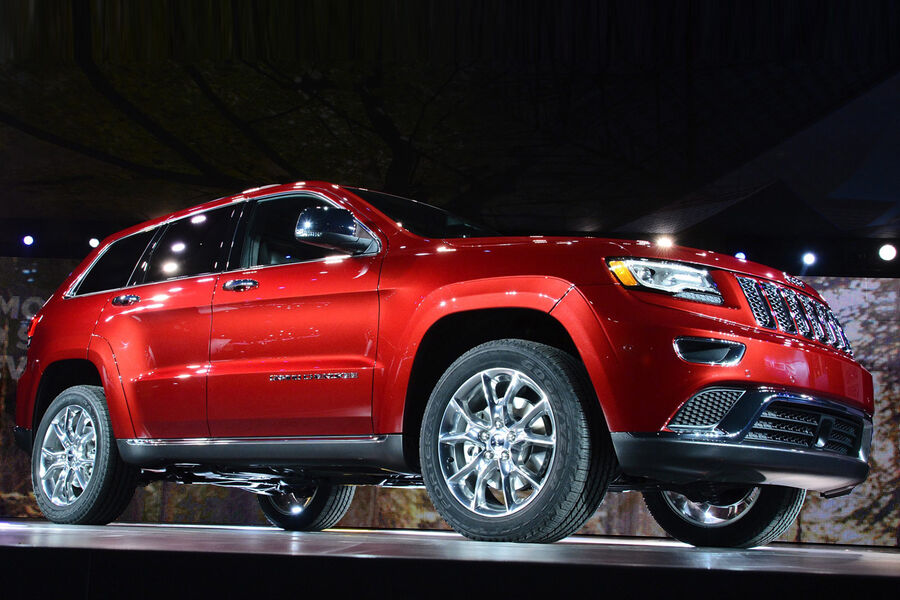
<point x="317" y="507"/>
<point x="738" y="518"/>
<point x="513" y="446"/>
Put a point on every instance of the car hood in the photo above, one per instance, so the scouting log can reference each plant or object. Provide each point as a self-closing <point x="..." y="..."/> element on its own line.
<point x="607" y="247"/>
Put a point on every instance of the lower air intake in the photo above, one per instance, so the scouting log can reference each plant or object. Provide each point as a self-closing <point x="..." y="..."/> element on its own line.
<point x="706" y="409"/>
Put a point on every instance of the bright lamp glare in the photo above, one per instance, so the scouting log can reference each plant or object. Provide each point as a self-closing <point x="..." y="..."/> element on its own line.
<point x="809" y="258"/>
<point x="93" y="242"/>
<point x="887" y="252"/>
<point x="740" y="256"/>
<point x="665" y="241"/>
<point x="28" y="240"/>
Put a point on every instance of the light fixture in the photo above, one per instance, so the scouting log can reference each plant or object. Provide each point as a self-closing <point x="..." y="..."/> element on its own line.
<point x="809" y="258"/>
<point x="740" y="256"/>
<point x="665" y="241"/>
<point x="887" y="252"/>
<point x="93" y="242"/>
<point x="28" y="240"/>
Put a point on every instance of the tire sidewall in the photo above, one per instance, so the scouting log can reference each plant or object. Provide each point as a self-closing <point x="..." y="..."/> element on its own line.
<point x="566" y="410"/>
<point x="747" y="531"/>
<point x="76" y="396"/>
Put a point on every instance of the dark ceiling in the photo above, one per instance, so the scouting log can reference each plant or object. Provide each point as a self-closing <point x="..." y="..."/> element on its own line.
<point x="773" y="124"/>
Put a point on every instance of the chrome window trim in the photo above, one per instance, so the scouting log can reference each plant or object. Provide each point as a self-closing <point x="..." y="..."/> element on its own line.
<point x="380" y="244"/>
<point x="72" y="291"/>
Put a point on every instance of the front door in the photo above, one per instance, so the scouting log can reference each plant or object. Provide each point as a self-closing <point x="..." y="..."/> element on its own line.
<point x="292" y="348"/>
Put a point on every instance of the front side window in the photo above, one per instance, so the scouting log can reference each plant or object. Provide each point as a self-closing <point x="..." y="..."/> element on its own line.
<point x="114" y="267"/>
<point x="272" y="233"/>
<point x="191" y="246"/>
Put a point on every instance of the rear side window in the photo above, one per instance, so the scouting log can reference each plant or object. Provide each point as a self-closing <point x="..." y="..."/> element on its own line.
<point x="112" y="270"/>
<point x="191" y="246"/>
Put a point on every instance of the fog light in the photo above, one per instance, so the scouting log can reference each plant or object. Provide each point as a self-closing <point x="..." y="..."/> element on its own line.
<point x="706" y="351"/>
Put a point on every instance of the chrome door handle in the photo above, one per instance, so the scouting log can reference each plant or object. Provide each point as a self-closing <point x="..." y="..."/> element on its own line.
<point x="240" y="285"/>
<point x="126" y="300"/>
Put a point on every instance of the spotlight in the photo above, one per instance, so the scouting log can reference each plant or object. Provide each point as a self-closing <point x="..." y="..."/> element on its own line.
<point x="93" y="242"/>
<point x="740" y="256"/>
<point x="28" y="240"/>
<point x="887" y="252"/>
<point x="809" y="258"/>
<point x="665" y="241"/>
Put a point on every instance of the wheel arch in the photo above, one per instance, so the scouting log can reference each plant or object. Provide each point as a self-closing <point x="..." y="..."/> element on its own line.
<point x="98" y="368"/>
<point x="451" y="336"/>
<point x="56" y="377"/>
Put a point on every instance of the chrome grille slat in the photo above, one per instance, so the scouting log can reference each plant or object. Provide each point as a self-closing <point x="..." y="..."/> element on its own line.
<point x="810" y="309"/>
<point x="779" y="307"/>
<point x="797" y="313"/>
<point x="758" y="304"/>
<point x="776" y="306"/>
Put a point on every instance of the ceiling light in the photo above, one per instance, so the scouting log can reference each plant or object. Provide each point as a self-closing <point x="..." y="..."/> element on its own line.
<point x="887" y="252"/>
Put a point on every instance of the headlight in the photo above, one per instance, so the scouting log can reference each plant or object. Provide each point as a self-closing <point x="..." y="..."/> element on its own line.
<point x="680" y="280"/>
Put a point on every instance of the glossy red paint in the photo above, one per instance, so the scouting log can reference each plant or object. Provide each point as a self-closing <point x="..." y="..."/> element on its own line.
<point x="315" y="319"/>
<point x="197" y="360"/>
<point x="161" y="346"/>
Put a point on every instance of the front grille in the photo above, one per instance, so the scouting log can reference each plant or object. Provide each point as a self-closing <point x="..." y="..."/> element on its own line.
<point x="706" y="408"/>
<point x="778" y="307"/>
<point x="802" y="426"/>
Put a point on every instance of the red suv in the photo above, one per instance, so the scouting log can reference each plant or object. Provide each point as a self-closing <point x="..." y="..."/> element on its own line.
<point x="298" y="340"/>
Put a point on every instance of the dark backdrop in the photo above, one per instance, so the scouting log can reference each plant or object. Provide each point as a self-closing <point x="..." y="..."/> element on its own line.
<point x="768" y="127"/>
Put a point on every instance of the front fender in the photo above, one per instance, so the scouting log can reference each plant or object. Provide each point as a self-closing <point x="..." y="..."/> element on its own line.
<point x="405" y="321"/>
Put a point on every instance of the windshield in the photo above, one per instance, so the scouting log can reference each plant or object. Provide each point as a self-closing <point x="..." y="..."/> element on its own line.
<point x="423" y="219"/>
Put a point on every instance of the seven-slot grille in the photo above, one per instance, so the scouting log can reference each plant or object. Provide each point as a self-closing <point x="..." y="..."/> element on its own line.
<point x="778" y="307"/>
<point x="807" y="427"/>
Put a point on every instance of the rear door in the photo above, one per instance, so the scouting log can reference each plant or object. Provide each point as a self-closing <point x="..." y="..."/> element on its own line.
<point x="159" y="328"/>
<point x="292" y="349"/>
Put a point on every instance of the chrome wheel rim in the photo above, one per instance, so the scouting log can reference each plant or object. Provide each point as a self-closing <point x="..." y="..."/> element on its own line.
<point x="291" y="504"/>
<point x="497" y="442"/>
<point x="707" y="514"/>
<point x="68" y="455"/>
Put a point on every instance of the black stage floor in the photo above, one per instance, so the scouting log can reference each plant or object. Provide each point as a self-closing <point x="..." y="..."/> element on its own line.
<point x="135" y="561"/>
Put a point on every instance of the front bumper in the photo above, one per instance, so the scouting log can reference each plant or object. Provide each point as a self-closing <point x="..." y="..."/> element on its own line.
<point x="627" y="342"/>
<point x="770" y="437"/>
<point x="666" y="459"/>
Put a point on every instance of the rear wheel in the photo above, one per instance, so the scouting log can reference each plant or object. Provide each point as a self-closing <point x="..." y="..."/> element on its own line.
<point x="313" y="508"/>
<point x="513" y="446"/>
<point x="76" y="471"/>
<point x="738" y="518"/>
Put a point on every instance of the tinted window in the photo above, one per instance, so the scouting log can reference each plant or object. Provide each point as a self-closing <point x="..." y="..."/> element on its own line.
<point x="423" y="219"/>
<point x="270" y="236"/>
<point x="112" y="270"/>
<point x="191" y="246"/>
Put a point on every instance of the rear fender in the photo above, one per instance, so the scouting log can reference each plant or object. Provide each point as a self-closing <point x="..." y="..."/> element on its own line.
<point x="101" y="355"/>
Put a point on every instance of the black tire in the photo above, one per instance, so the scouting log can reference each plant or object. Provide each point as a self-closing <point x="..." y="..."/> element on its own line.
<point x="316" y="508"/>
<point x="769" y="516"/>
<point x="110" y="482"/>
<point x="572" y="480"/>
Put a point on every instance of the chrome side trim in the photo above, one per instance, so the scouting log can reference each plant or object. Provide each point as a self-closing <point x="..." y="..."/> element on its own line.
<point x="354" y="454"/>
<point x="163" y="442"/>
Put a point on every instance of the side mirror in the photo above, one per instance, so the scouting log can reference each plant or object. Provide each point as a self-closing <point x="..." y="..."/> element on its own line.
<point x="331" y="228"/>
